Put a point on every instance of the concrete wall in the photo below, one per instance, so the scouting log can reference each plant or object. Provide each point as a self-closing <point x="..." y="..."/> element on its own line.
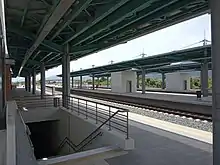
<point x="3" y="27"/>
<point x="175" y="81"/>
<point x="116" y="82"/>
<point x="40" y="114"/>
<point x="77" y="128"/>
<point x="2" y="146"/>
<point x="119" y="81"/>
<point x="24" y="150"/>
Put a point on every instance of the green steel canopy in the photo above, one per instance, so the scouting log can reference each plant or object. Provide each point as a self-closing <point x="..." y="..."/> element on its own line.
<point x="38" y="30"/>
<point x="154" y="63"/>
<point x="167" y="69"/>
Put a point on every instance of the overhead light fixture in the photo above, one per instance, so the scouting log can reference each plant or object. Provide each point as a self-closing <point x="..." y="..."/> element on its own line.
<point x="24" y="109"/>
<point x="134" y="69"/>
<point x="144" y="25"/>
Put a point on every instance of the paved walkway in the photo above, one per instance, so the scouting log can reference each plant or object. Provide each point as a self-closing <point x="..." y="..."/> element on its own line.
<point x="154" y="149"/>
<point x="20" y="92"/>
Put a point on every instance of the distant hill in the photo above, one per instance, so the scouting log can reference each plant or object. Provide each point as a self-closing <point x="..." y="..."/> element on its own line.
<point x="54" y="77"/>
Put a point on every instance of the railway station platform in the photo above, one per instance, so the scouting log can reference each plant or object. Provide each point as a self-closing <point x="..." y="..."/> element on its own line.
<point x="155" y="146"/>
<point x="159" y="142"/>
<point x="157" y="101"/>
<point x="174" y="97"/>
<point x="163" y="95"/>
<point x="187" y="97"/>
<point x="139" y="90"/>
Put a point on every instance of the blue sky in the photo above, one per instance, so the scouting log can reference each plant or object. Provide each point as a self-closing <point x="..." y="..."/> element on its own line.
<point x="168" y="39"/>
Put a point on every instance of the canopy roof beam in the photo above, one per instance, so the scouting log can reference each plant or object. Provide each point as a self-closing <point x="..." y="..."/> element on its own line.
<point x="56" y="15"/>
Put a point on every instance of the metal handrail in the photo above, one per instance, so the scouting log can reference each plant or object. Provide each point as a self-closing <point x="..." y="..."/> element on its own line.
<point x="123" y="118"/>
<point x="100" y="113"/>
<point x="98" y="128"/>
<point x="74" y="147"/>
<point x="34" y="101"/>
<point x="69" y="142"/>
<point x="98" y="134"/>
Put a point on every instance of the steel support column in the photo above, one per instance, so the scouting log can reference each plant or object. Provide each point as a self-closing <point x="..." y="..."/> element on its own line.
<point x="34" y="82"/>
<point x="93" y="82"/>
<point x="215" y="26"/>
<point x="107" y="81"/>
<point x="201" y="78"/>
<point x="72" y="82"/>
<point x="204" y="79"/>
<point x="29" y="82"/>
<point x="66" y="76"/>
<point x="143" y="81"/>
<point x="98" y="81"/>
<point x="80" y="82"/>
<point x="3" y="85"/>
<point x="42" y="80"/>
<point x="138" y="82"/>
<point x="163" y="85"/>
<point x="26" y="83"/>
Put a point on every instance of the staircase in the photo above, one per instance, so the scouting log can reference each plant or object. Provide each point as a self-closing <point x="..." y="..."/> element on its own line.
<point x="79" y="147"/>
<point x="88" y="140"/>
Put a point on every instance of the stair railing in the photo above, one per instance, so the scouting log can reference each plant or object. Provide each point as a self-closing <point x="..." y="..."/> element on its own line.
<point x="92" y="136"/>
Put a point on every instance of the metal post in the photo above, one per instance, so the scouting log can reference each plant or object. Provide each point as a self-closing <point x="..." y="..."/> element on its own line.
<point x="29" y="83"/>
<point x="53" y="91"/>
<point x="80" y="86"/>
<point x="98" y="82"/>
<point x="34" y="82"/>
<point x="3" y="70"/>
<point x="143" y="81"/>
<point x="42" y="81"/>
<point x="109" y="115"/>
<point x="72" y="82"/>
<point x="96" y="113"/>
<point x="78" y="106"/>
<point x="93" y="82"/>
<point x="107" y="81"/>
<point x="72" y="104"/>
<point x="65" y="76"/>
<point x="138" y="82"/>
<point x="204" y="78"/>
<point x="215" y="26"/>
<point x="127" y="133"/>
<point x="201" y="79"/>
<point x="163" y="85"/>
<point x="26" y="83"/>
<point x="86" y="111"/>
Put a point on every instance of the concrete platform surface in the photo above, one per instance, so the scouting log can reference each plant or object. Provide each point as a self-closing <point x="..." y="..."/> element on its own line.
<point x="160" y="95"/>
<point x="155" y="146"/>
<point x="154" y="149"/>
<point x="20" y="92"/>
<point x="174" y="97"/>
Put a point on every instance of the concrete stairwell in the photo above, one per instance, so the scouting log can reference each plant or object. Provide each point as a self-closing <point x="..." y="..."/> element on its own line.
<point x="25" y="150"/>
<point x="44" y="134"/>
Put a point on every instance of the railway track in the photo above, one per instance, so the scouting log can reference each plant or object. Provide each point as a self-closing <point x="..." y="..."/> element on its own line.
<point x="132" y="105"/>
<point x="167" y="110"/>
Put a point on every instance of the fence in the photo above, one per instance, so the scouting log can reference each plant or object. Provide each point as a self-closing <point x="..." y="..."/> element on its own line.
<point x="34" y="101"/>
<point x="117" y="117"/>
